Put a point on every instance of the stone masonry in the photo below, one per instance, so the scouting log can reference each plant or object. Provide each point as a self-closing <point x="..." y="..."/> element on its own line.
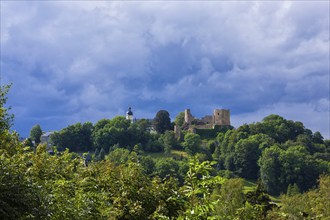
<point x="220" y="117"/>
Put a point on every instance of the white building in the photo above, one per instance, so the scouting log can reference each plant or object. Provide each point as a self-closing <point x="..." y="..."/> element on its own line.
<point x="129" y="115"/>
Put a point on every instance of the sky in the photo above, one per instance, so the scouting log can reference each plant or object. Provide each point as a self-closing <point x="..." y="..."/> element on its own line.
<point x="78" y="61"/>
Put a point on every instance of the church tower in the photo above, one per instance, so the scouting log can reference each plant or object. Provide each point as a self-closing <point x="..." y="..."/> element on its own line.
<point x="129" y="115"/>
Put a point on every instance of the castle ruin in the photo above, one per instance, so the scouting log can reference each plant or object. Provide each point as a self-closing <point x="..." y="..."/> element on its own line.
<point x="220" y="117"/>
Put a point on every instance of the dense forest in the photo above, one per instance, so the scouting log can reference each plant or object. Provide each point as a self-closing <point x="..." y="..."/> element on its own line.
<point x="115" y="169"/>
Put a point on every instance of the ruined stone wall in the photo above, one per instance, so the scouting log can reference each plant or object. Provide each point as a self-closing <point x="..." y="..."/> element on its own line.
<point x="187" y="116"/>
<point x="206" y="126"/>
<point x="208" y="119"/>
<point x="177" y="131"/>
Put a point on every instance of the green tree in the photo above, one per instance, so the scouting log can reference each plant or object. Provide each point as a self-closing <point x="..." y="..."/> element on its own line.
<point x="18" y="194"/>
<point x="101" y="124"/>
<point x="86" y="134"/>
<point x="198" y="187"/>
<point x="148" y="164"/>
<point x="162" y="121"/>
<point x="119" y="156"/>
<point x="247" y="153"/>
<point x="318" y="138"/>
<point x="211" y="146"/>
<point x="105" y="137"/>
<point x="279" y="168"/>
<point x="153" y="144"/>
<point x="270" y="169"/>
<point x="166" y="167"/>
<point x="132" y="193"/>
<point x="313" y="204"/>
<point x="96" y="153"/>
<point x="246" y="156"/>
<point x="169" y="141"/>
<point x="28" y="142"/>
<point x="179" y="119"/>
<point x="192" y="143"/>
<point x="6" y="119"/>
<point x="259" y="199"/>
<point x="230" y="198"/>
<point x="100" y="156"/>
<point x="278" y="128"/>
<point x="118" y="130"/>
<point x="301" y="168"/>
<point x="226" y="149"/>
<point x="143" y="125"/>
<point x="293" y="189"/>
<point x="76" y="137"/>
<point x="35" y="134"/>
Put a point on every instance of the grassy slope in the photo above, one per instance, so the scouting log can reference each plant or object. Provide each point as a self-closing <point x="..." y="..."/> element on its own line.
<point x="174" y="153"/>
<point x="251" y="185"/>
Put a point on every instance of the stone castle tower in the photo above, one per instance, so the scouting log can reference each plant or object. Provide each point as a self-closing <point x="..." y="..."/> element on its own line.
<point x="187" y="116"/>
<point x="221" y="116"/>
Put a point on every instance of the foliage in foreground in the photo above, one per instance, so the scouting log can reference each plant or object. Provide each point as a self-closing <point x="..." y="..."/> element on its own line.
<point x="36" y="185"/>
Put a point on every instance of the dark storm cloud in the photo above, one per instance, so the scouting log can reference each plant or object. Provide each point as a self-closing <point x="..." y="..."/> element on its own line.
<point x="82" y="61"/>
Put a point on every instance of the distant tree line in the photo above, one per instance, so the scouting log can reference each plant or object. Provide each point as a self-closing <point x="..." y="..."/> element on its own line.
<point x="278" y="151"/>
<point x="117" y="132"/>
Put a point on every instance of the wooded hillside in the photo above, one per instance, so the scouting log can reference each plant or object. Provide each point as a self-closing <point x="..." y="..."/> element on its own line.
<point x="110" y="170"/>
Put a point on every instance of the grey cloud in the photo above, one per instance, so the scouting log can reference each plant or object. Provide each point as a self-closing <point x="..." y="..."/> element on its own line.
<point x="86" y="60"/>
